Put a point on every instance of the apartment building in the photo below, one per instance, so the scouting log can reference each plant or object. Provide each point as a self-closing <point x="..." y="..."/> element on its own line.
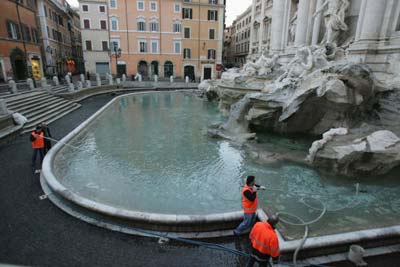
<point x="77" y="60"/>
<point x="155" y="37"/>
<point x="55" y="26"/>
<point x="95" y="34"/>
<point x="20" y="54"/>
<point x="227" y="53"/>
<point x="241" y="28"/>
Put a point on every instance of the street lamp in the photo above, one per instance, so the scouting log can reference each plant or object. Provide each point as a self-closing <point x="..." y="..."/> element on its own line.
<point x="117" y="54"/>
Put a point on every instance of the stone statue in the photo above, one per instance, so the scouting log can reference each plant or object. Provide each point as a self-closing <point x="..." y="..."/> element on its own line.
<point x="263" y="66"/>
<point x="301" y="65"/>
<point x="292" y="28"/>
<point x="334" y="17"/>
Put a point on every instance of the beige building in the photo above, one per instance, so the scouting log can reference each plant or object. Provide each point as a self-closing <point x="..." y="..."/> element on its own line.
<point x="156" y="37"/>
<point x="95" y="35"/>
<point x="241" y="29"/>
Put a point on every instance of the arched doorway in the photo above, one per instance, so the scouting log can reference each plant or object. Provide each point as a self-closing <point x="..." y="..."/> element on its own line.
<point x="168" y="69"/>
<point x="18" y="62"/>
<point x="142" y="68"/>
<point x="189" y="71"/>
<point x="154" y="68"/>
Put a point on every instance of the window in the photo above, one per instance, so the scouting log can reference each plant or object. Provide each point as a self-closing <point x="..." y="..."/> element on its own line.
<point x="177" y="8"/>
<point x="48" y="31"/>
<point x="213" y="2"/>
<point x="153" y="6"/>
<point x="142" y="46"/>
<point x="177" y="47"/>
<point x="154" y="46"/>
<point x="104" y="45"/>
<point x="187" y="53"/>
<point x="213" y="15"/>
<point x="60" y="21"/>
<point x="35" y="35"/>
<point x="88" y="45"/>
<point x="187" y="13"/>
<point x="140" y="5"/>
<point x="177" y="27"/>
<point x="114" y="44"/>
<point x="114" y="24"/>
<point x="153" y="26"/>
<point x="13" y="30"/>
<point x="141" y="25"/>
<point x="86" y="24"/>
<point x="211" y="54"/>
<point x="113" y="3"/>
<point x="45" y="11"/>
<point x="211" y="34"/>
<point x="85" y="8"/>
<point x="102" y="9"/>
<point x="103" y="24"/>
<point x="187" y="33"/>
<point x="26" y="33"/>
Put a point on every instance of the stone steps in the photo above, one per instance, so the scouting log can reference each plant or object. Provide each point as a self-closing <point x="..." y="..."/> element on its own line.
<point x="40" y="106"/>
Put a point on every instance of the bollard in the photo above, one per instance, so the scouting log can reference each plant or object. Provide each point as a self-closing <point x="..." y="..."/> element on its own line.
<point x="98" y="79"/>
<point x="118" y="80"/>
<point x="3" y="108"/>
<point x="171" y="79"/>
<point x="123" y="78"/>
<point x="187" y="79"/>
<point x="140" y="77"/>
<point x="68" y="79"/>
<point x="82" y="78"/>
<point x="30" y="83"/>
<point x="55" y="80"/>
<point x="156" y="78"/>
<point x="13" y="86"/>
<point x="110" y="79"/>
<point x="80" y="85"/>
<point x="43" y="83"/>
<point x="88" y="84"/>
<point x="71" y="87"/>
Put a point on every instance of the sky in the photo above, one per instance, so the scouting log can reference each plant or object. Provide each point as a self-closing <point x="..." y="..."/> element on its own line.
<point x="233" y="8"/>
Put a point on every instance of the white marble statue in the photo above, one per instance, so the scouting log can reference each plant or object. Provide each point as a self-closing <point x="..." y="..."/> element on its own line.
<point x="300" y="65"/>
<point x="263" y="66"/>
<point x="334" y="16"/>
<point x="292" y="28"/>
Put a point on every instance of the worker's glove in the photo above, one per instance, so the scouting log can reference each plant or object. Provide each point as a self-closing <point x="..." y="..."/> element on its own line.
<point x="262" y="188"/>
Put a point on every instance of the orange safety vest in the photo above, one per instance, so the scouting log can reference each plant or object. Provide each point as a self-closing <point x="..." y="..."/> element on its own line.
<point x="264" y="239"/>
<point x="39" y="141"/>
<point x="249" y="206"/>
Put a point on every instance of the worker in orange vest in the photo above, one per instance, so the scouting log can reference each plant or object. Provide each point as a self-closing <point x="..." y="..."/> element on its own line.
<point x="249" y="204"/>
<point x="37" y="139"/>
<point x="265" y="243"/>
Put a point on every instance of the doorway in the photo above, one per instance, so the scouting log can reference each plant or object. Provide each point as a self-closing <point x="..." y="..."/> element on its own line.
<point x="189" y="71"/>
<point x="207" y="73"/>
<point x="121" y="69"/>
<point x="142" y="69"/>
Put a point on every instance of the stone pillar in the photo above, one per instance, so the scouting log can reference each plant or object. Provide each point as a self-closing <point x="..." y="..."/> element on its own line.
<point x="187" y="79"/>
<point x="55" y="80"/>
<point x="13" y="86"/>
<point x="68" y="79"/>
<point x="370" y="20"/>
<point x="88" y="84"/>
<point x="80" y="85"/>
<point x="82" y="76"/>
<point x="253" y="15"/>
<point x="278" y="23"/>
<point x="71" y="87"/>
<point x="118" y="80"/>
<point x="302" y="23"/>
<point x="30" y="83"/>
<point x="317" y="24"/>
<point x="156" y="78"/>
<point x="262" y="29"/>
<point x="171" y="79"/>
<point x="3" y="108"/>
<point x="123" y="78"/>
<point x="139" y="77"/>
<point x="98" y="80"/>
<point x="110" y="79"/>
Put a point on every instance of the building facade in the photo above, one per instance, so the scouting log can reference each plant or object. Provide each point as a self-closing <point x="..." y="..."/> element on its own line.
<point x="77" y="59"/>
<point x="95" y="29"/>
<point x="227" y="53"/>
<point x="241" y="29"/>
<point x="55" y="18"/>
<point x="155" y="37"/>
<point x="20" y="53"/>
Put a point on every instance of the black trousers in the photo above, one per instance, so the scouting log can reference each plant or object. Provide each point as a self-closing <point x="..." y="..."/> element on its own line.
<point x="37" y="151"/>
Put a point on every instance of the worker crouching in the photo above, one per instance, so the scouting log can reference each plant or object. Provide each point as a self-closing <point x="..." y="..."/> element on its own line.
<point x="265" y="243"/>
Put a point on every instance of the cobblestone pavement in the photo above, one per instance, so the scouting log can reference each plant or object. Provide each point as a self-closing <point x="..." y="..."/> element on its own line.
<point x="35" y="232"/>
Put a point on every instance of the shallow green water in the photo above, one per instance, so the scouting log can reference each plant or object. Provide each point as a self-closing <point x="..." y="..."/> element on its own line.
<point x="151" y="153"/>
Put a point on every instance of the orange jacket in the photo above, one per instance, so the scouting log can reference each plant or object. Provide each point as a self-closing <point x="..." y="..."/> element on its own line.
<point x="39" y="141"/>
<point x="249" y="206"/>
<point x="264" y="239"/>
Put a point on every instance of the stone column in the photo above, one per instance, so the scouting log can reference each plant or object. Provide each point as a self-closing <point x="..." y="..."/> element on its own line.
<point x="278" y="22"/>
<point x="253" y="14"/>
<point x="302" y="23"/>
<point x="370" y="20"/>
<point x="317" y="24"/>
<point x="262" y="29"/>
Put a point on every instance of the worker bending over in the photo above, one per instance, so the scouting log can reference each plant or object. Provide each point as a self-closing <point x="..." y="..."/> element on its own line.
<point x="264" y="242"/>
